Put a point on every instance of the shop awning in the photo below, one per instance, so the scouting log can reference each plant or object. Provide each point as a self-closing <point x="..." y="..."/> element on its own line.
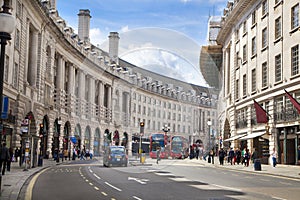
<point x="234" y="137"/>
<point x="253" y="135"/>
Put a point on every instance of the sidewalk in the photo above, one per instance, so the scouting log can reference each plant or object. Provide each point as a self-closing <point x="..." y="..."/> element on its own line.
<point x="287" y="171"/>
<point x="13" y="181"/>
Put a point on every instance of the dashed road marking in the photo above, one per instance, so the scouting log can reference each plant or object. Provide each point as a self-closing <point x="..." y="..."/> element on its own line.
<point x="104" y="193"/>
<point x="164" y="174"/>
<point x="96" y="176"/>
<point x="114" y="187"/>
<point x="135" y="197"/>
<point x="279" y="198"/>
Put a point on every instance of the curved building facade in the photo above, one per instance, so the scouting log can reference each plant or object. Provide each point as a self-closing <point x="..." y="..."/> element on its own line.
<point x="63" y="92"/>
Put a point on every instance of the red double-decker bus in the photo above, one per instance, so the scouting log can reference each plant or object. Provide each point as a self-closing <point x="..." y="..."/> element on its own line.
<point x="179" y="147"/>
<point x="159" y="141"/>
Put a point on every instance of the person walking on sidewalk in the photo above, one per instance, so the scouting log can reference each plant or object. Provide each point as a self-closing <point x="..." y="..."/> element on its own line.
<point x="221" y="156"/>
<point x="254" y="155"/>
<point x="274" y="157"/>
<point x="11" y="157"/>
<point x="238" y="155"/>
<point x="157" y="155"/>
<point x="230" y="156"/>
<point x="247" y="158"/>
<point x="4" y="157"/>
<point x="17" y="154"/>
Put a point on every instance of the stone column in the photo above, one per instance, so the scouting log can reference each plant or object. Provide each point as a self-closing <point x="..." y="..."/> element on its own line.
<point x="59" y="73"/>
<point x="71" y="82"/>
<point x="32" y="67"/>
<point x="91" y="96"/>
<point x="101" y="93"/>
<point x="81" y="89"/>
<point x="109" y="99"/>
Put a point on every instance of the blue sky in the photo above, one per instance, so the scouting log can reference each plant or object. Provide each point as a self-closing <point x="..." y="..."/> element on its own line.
<point x="185" y="18"/>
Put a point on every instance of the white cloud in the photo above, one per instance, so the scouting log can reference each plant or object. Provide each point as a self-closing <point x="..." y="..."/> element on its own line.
<point x="166" y="63"/>
<point x="97" y="36"/>
<point x="124" y="29"/>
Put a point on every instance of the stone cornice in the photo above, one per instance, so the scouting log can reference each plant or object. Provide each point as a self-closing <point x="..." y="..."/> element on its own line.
<point x="229" y="22"/>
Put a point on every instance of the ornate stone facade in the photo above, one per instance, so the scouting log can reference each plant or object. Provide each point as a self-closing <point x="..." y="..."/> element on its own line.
<point x="70" y="91"/>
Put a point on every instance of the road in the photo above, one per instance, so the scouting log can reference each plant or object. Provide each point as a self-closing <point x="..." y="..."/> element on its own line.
<point x="171" y="179"/>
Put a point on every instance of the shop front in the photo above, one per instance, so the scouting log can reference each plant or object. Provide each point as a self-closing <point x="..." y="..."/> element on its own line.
<point x="288" y="142"/>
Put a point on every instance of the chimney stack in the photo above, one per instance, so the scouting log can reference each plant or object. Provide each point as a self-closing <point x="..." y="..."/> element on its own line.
<point x="84" y="25"/>
<point x="114" y="46"/>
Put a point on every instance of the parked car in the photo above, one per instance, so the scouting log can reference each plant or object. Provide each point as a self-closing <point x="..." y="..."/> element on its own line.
<point x="115" y="156"/>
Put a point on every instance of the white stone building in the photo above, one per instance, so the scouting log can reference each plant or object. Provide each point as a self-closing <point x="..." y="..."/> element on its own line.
<point x="260" y="40"/>
<point x="72" y="93"/>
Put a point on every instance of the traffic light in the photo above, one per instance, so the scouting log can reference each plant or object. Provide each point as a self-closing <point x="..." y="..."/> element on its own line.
<point x="142" y="124"/>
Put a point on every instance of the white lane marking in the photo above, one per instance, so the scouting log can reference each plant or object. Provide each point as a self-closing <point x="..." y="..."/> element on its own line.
<point x="141" y="181"/>
<point x="228" y="188"/>
<point x="91" y="184"/>
<point x="96" y="188"/>
<point x="181" y="179"/>
<point x="215" y="187"/>
<point x="96" y="176"/>
<point x="152" y="170"/>
<point x="135" y="197"/>
<point x="114" y="187"/>
<point x="104" y="193"/>
<point x="279" y="198"/>
<point x="164" y="174"/>
<point x="206" y="187"/>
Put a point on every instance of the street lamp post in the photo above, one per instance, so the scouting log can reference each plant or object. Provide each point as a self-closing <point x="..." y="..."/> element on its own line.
<point x="166" y="129"/>
<point x="7" y="26"/>
<point x="209" y="123"/>
<point x="58" y="136"/>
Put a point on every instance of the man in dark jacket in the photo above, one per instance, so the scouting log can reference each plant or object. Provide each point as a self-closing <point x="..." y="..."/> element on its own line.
<point x="4" y="157"/>
<point x="221" y="156"/>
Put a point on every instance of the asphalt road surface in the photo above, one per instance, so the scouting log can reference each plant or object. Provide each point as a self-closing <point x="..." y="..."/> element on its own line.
<point x="171" y="179"/>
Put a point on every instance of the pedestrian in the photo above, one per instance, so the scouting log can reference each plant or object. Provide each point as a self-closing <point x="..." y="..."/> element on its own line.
<point x="17" y="154"/>
<point x="212" y="155"/>
<point x="230" y="155"/>
<point x="221" y="156"/>
<point x="247" y="158"/>
<point x="197" y="151"/>
<point x="191" y="152"/>
<point x="238" y="155"/>
<point x="157" y="155"/>
<point x="243" y="156"/>
<point x="66" y="153"/>
<point x="91" y="154"/>
<point x="4" y="157"/>
<point x="10" y="159"/>
<point x="254" y="155"/>
<point x="87" y="154"/>
<point x="82" y="154"/>
<point x="274" y="157"/>
<point x="74" y="153"/>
